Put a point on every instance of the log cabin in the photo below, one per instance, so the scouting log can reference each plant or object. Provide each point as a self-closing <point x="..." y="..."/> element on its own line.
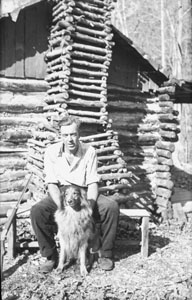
<point x="63" y="57"/>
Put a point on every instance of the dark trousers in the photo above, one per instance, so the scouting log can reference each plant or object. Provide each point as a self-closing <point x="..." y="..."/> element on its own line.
<point x="106" y="213"/>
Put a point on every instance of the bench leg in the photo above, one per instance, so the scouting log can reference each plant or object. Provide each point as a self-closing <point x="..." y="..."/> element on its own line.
<point x="11" y="240"/>
<point x="144" y="236"/>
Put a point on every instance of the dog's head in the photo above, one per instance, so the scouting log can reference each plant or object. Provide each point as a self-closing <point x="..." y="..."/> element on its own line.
<point x="73" y="196"/>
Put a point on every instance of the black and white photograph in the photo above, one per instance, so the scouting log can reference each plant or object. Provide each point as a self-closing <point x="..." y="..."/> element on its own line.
<point x="96" y="149"/>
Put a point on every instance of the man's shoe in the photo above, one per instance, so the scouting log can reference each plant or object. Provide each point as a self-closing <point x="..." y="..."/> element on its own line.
<point x="106" y="263"/>
<point x="49" y="265"/>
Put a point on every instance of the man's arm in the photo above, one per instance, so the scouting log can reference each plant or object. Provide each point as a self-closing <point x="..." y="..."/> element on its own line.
<point x="55" y="193"/>
<point x="92" y="194"/>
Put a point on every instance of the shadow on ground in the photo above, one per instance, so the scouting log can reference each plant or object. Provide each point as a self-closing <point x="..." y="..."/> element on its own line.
<point x="22" y="260"/>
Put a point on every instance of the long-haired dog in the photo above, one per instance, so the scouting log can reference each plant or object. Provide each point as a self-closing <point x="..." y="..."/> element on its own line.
<point x="75" y="227"/>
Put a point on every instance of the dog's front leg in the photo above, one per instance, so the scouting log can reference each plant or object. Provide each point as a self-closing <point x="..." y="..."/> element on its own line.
<point x="62" y="256"/>
<point x="82" y="257"/>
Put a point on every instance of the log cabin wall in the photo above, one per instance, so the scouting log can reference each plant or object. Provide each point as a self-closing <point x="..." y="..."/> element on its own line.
<point x="120" y="117"/>
<point x="22" y="93"/>
<point x="146" y="123"/>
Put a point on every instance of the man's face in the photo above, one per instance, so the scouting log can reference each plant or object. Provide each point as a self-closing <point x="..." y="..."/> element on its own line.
<point x="70" y="138"/>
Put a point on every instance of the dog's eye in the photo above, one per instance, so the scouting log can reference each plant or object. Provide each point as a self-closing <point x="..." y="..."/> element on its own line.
<point x="76" y="193"/>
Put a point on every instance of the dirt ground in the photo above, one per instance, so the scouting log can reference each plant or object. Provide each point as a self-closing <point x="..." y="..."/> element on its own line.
<point x="165" y="274"/>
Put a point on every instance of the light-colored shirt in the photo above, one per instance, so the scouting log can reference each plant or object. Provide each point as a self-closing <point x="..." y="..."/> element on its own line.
<point x="82" y="171"/>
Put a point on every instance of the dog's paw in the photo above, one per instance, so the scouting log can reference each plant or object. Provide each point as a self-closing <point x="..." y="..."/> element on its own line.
<point x="83" y="271"/>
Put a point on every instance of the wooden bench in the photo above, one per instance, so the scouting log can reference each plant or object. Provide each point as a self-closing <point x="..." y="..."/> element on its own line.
<point x="145" y="215"/>
<point x="132" y="213"/>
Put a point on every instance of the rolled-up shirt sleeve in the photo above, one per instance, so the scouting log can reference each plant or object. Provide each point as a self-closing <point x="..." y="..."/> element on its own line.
<point x="49" y="167"/>
<point x="91" y="168"/>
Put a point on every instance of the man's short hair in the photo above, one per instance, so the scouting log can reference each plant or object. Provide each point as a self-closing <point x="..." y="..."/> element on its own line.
<point x="69" y="120"/>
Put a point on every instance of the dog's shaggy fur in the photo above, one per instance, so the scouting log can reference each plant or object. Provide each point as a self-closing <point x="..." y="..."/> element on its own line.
<point x="75" y="227"/>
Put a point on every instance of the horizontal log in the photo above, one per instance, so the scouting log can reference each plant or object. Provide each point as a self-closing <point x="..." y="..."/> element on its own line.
<point x="116" y="88"/>
<point x="163" y="175"/>
<point x="100" y="82"/>
<point x="16" y="136"/>
<point x="168" y="117"/>
<point x="167" y="183"/>
<point x="58" y="68"/>
<point x="90" y="56"/>
<point x="94" y="32"/>
<point x="140" y="128"/>
<point x="89" y="15"/>
<point x="163" y="192"/>
<point x="92" y="65"/>
<point x="7" y="186"/>
<point x="169" y="126"/>
<point x="58" y="89"/>
<point x="44" y="135"/>
<point x="131" y="96"/>
<point x="165" y="161"/>
<point x="107" y="158"/>
<point x="13" y="162"/>
<point x="132" y="151"/>
<point x="11" y="175"/>
<point x="165" y="145"/>
<point x="57" y="52"/>
<point x="87" y="94"/>
<point x="92" y="24"/>
<point x="171" y="135"/>
<point x="91" y="8"/>
<point x="114" y="187"/>
<point x="166" y="104"/>
<point x="86" y="87"/>
<point x="12" y="196"/>
<point x="106" y="149"/>
<point x="90" y="39"/>
<point x="147" y="168"/>
<point x="23" y="85"/>
<point x="19" y="102"/>
<point x="87" y="120"/>
<point x="59" y="60"/>
<point x="22" y="120"/>
<point x="164" y="97"/>
<point x="88" y="72"/>
<point x="167" y="90"/>
<point x="13" y="149"/>
<point x="42" y="144"/>
<point x="98" y="136"/>
<point x="116" y="176"/>
<point x="111" y="167"/>
<point x="84" y="103"/>
<point x="55" y="75"/>
<point x="162" y="203"/>
<point x="86" y="113"/>
<point x="92" y="49"/>
<point x="164" y="153"/>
